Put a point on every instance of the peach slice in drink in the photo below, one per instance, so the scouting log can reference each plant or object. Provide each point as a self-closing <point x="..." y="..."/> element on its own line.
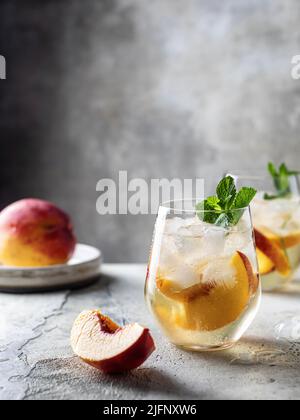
<point x="265" y="264"/>
<point x="270" y="247"/>
<point x="213" y="303"/>
<point x="291" y="240"/>
<point x="286" y="240"/>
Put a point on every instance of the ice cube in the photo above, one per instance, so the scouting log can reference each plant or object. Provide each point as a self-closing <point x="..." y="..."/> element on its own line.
<point x="184" y="276"/>
<point x="173" y="266"/>
<point x="219" y="272"/>
<point x="173" y="225"/>
<point x="186" y="247"/>
<point x="277" y="215"/>
<point x="196" y="226"/>
<point x="198" y="248"/>
<point x="238" y="241"/>
<point x="169" y="253"/>
<point x="294" y="223"/>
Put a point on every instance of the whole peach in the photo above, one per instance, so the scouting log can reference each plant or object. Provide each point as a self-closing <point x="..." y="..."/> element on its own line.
<point x="35" y="233"/>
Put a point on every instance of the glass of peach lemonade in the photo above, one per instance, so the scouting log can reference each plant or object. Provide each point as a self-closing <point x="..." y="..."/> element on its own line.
<point x="276" y="219"/>
<point x="202" y="282"/>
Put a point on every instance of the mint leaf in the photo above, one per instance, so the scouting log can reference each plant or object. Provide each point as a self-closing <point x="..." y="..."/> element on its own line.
<point x="242" y="200"/>
<point x="244" y="197"/>
<point x="272" y="169"/>
<point x="293" y="173"/>
<point x="270" y="197"/>
<point x="209" y="210"/>
<point x="227" y="207"/>
<point x="284" y="183"/>
<point x="236" y="216"/>
<point x="274" y="197"/>
<point x="281" y="181"/>
<point x="226" y="191"/>
<point x="213" y="202"/>
<point x="283" y="169"/>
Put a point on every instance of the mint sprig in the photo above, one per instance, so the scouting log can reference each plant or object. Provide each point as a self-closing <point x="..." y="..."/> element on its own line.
<point x="281" y="180"/>
<point x="227" y="207"/>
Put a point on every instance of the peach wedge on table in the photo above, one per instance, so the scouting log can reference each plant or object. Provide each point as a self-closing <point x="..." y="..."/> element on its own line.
<point x="213" y="305"/>
<point x="101" y="343"/>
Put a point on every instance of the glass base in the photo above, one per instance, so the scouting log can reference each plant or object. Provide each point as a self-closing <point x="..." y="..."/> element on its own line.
<point x="274" y="282"/>
<point x="207" y="349"/>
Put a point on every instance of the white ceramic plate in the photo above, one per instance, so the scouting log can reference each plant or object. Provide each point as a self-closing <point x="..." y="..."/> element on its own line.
<point x="82" y="269"/>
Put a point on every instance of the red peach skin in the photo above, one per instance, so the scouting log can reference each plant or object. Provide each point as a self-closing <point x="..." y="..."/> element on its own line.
<point x="35" y="233"/>
<point x="104" y="345"/>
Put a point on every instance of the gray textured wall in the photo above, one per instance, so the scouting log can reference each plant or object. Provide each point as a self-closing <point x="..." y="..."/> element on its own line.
<point x="160" y="88"/>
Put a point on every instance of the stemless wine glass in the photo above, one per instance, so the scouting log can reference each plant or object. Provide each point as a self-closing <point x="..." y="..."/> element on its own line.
<point x="277" y="228"/>
<point x="202" y="282"/>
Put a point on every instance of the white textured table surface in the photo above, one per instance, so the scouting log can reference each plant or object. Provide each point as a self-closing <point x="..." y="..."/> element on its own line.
<point x="36" y="361"/>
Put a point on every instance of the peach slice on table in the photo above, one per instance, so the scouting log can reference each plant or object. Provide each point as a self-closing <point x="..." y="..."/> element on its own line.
<point x="274" y="252"/>
<point x="213" y="305"/>
<point x="101" y="343"/>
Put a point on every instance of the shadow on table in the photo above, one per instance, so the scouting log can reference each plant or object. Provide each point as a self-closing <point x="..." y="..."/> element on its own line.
<point x="73" y="375"/>
<point x="94" y="283"/>
<point x="97" y="284"/>
<point x="150" y="381"/>
<point x="258" y="352"/>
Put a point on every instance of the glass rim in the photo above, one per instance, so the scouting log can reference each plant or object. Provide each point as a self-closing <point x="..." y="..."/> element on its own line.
<point x="167" y="205"/>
